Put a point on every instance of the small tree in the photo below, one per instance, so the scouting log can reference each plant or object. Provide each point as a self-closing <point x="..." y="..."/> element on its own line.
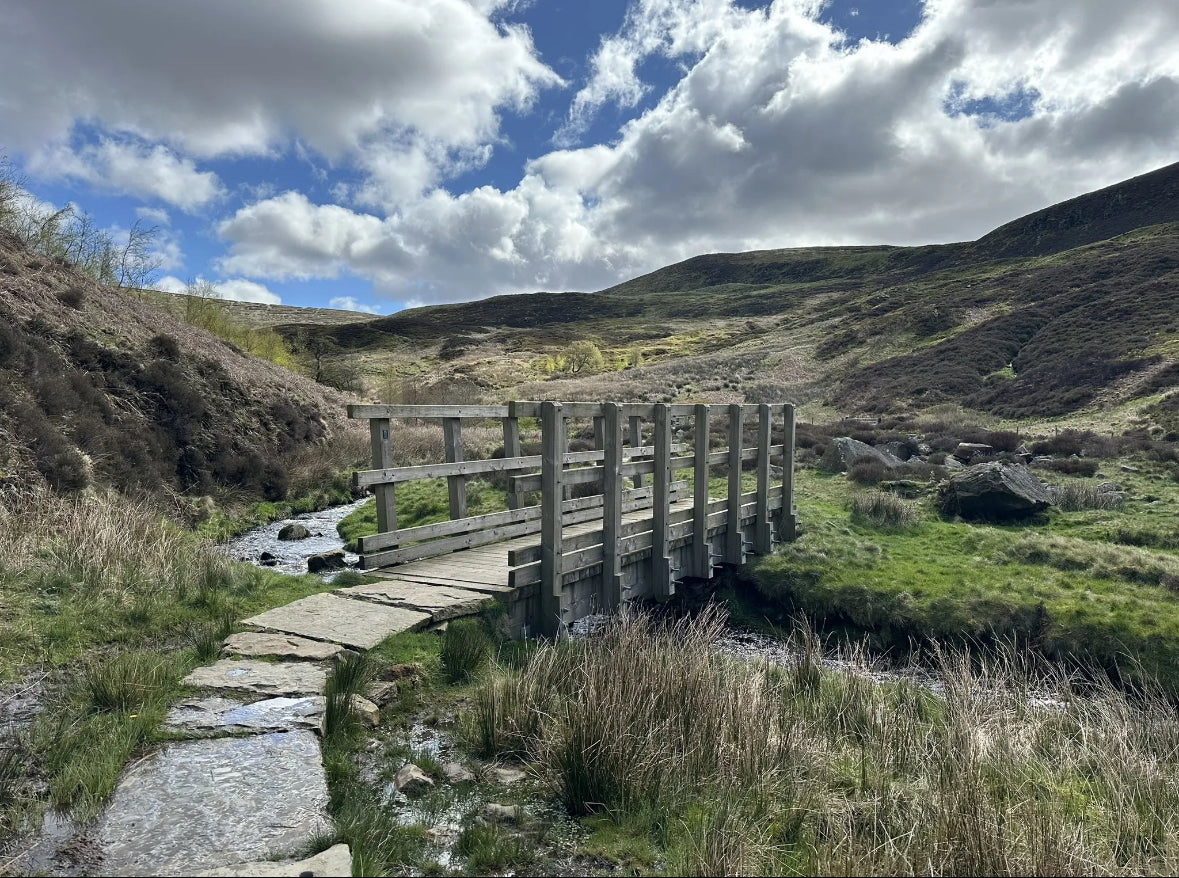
<point x="584" y="356"/>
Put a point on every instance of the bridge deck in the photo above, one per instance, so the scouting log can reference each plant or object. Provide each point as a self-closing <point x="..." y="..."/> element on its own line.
<point x="485" y="568"/>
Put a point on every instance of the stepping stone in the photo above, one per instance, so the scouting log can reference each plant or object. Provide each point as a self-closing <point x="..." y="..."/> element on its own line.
<point x="335" y="862"/>
<point x="440" y="601"/>
<point x="281" y="645"/>
<point x="226" y="716"/>
<point x="263" y="678"/>
<point x="197" y="805"/>
<point x="358" y="624"/>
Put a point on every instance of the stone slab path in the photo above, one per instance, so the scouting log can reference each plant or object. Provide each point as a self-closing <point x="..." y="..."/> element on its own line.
<point x="249" y="788"/>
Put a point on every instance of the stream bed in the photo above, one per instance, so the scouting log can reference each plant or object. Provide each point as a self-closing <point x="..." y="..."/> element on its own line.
<point x="290" y="556"/>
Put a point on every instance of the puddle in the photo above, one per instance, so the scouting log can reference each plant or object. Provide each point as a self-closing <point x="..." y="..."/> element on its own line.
<point x="290" y="556"/>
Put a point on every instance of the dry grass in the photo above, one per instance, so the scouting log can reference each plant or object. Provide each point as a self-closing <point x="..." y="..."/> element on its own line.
<point x="736" y="768"/>
<point x="882" y="509"/>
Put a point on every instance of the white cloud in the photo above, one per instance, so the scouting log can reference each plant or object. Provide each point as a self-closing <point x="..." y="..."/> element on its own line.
<point x="343" y="79"/>
<point x="779" y="134"/>
<point x="240" y="290"/>
<point x="132" y="168"/>
<point x="234" y="290"/>
<point x="170" y="284"/>
<point x="348" y="303"/>
<point x="154" y="215"/>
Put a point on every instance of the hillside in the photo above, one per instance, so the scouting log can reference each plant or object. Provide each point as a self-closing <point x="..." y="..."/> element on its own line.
<point x="100" y="388"/>
<point x="1067" y="308"/>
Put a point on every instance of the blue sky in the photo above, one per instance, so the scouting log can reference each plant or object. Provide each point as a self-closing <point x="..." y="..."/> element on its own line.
<point x="385" y="153"/>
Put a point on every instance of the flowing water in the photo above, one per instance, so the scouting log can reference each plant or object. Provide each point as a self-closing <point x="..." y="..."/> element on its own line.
<point x="290" y="556"/>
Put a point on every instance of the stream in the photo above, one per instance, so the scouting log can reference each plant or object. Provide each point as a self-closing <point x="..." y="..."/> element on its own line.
<point x="290" y="556"/>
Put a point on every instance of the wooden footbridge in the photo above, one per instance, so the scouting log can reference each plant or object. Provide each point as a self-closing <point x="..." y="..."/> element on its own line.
<point x="588" y="531"/>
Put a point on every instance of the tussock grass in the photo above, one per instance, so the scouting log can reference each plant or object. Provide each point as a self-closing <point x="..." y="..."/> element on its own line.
<point x="349" y="677"/>
<point x="465" y="648"/>
<point x="1077" y="496"/>
<point x="742" y="768"/>
<point x="883" y="509"/>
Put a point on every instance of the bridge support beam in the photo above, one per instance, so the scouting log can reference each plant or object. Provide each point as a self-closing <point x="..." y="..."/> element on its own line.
<point x="611" y="596"/>
<point x="553" y="596"/>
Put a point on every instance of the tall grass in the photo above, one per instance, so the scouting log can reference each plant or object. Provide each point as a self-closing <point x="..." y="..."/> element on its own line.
<point x="742" y="768"/>
<point x="883" y="509"/>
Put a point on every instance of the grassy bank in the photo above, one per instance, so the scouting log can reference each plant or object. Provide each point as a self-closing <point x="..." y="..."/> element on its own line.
<point x="687" y="762"/>
<point x="1098" y="585"/>
<point x="108" y="604"/>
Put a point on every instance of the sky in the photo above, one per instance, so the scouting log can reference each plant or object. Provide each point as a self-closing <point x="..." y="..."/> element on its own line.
<point x="383" y="154"/>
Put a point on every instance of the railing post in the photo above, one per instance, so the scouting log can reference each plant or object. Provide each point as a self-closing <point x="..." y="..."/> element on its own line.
<point x="661" y="572"/>
<point x="512" y="449"/>
<point x="611" y="595"/>
<point x="734" y="548"/>
<point x="788" y="523"/>
<point x="636" y="441"/>
<point x="456" y="486"/>
<point x="763" y="533"/>
<point x="553" y="603"/>
<point x="701" y="550"/>
<point x="381" y="434"/>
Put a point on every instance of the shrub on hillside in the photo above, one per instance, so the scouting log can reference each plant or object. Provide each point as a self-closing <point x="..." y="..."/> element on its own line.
<point x="869" y="471"/>
<point x="1073" y="466"/>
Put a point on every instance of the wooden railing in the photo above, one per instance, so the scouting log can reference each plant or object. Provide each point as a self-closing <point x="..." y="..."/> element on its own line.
<point x="628" y="556"/>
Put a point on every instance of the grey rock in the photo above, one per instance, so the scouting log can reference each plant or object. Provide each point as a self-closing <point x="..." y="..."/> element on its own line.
<point x="225" y="716"/>
<point x="333" y="560"/>
<point x="899" y="450"/>
<point x="249" y="643"/>
<point x="195" y="805"/>
<point x="365" y="711"/>
<point x="952" y="462"/>
<point x="293" y="532"/>
<point x="382" y="692"/>
<point x="456" y="772"/>
<point x="335" y="862"/>
<point x="1040" y="460"/>
<point x="1109" y="488"/>
<point x="1126" y="468"/>
<point x="263" y="678"/>
<point x="442" y="602"/>
<point x="359" y="624"/>
<point x="995" y="491"/>
<point x="845" y="451"/>
<point x="507" y="776"/>
<point x="969" y="450"/>
<point x="411" y="780"/>
<point x="493" y="813"/>
<point x="266" y="559"/>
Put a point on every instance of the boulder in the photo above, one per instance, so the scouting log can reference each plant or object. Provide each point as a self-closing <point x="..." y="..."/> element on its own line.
<point x="899" y="450"/>
<point x="456" y="772"/>
<point x="293" y="532"/>
<point x="266" y="559"/>
<point x="845" y="451"/>
<point x="496" y="813"/>
<point x="505" y="775"/>
<point x="967" y="450"/>
<point x="365" y="711"/>
<point x="995" y="491"/>
<point x="333" y="560"/>
<point x="411" y="780"/>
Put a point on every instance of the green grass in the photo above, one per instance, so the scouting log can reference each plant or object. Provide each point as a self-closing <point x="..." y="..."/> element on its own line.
<point x="1061" y="585"/>
<point x="418" y="503"/>
<point x="691" y="763"/>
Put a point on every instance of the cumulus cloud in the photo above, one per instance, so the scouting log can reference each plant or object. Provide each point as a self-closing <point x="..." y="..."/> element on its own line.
<point x="132" y="168"/>
<point x="234" y="290"/>
<point x="780" y="133"/>
<point x="241" y="290"/>
<point x="348" y="303"/>
<point x="223" y="78"/>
